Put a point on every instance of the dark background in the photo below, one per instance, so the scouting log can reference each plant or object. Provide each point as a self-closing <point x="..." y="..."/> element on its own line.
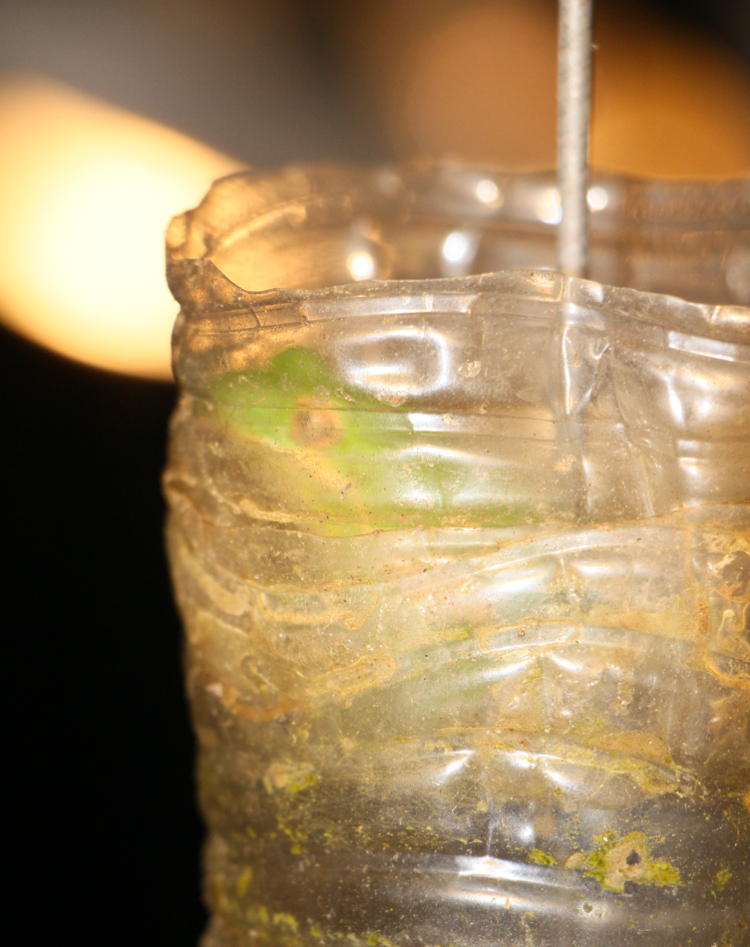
<point x="103" y="833"/>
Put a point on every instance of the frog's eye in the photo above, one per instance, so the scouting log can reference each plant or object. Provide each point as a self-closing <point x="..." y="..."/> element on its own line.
<point x="315" y="426"/>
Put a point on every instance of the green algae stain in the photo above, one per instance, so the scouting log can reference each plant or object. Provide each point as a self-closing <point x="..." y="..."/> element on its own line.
<point x="243" y="881"/>
<point x="278" y="929"/>
<point x="290" y="778"/>
<point x="372" y="939"/>
<point x="615" y="860"/>
<point x="722" y="879"/>
<point x="538" y="857"/>
<point x="288" y="921"/>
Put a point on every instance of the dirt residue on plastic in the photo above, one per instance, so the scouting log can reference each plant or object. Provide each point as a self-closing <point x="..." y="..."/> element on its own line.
<point x="615" y="860"/>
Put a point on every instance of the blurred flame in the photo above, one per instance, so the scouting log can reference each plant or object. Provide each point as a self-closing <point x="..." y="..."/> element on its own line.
<point x="86" y="191"/>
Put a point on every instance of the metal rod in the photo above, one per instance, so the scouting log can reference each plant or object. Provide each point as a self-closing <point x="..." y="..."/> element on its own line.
<point x="573" y="114"/>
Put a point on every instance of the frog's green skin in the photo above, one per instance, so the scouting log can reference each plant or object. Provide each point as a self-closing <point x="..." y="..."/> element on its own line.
<point x="352" y="460"/>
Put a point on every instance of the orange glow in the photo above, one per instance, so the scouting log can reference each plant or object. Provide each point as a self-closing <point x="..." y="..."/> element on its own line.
<point x="476" y="80"/>
<point x="87" y="191"/>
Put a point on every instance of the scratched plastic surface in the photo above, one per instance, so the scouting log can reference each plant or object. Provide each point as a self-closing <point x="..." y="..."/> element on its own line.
<point x="464" y="560"/>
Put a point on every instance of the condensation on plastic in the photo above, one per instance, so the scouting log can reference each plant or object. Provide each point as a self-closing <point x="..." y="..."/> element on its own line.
<point x="464" y="561"/>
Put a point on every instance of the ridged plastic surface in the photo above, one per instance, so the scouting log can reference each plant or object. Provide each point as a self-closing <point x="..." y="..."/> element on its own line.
<point x="464" y="563"/>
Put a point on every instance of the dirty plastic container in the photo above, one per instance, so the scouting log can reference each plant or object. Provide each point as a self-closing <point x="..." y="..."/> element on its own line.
<point x="464" y="560"/>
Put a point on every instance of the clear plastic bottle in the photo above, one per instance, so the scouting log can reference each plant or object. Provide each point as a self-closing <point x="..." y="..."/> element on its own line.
<point x="464" y="560"/>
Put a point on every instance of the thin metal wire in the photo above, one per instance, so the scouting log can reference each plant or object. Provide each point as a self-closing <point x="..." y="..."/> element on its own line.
<point x="573" y="114"/>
